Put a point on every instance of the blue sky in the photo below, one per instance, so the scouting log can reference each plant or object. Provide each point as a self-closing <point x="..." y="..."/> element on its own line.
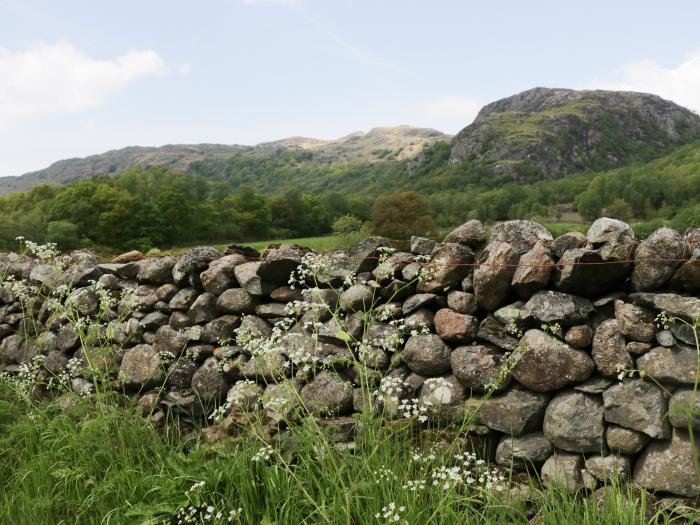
<point x="82" y="77"/>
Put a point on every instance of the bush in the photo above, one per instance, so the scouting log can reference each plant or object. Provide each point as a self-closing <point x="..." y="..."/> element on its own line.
<point x="347" y="224"/>
<point x="64" y="234"/>
<point x="400" y="215"/>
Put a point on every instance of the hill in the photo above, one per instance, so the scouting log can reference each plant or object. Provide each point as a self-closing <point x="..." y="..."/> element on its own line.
<point x="377" y="145"/>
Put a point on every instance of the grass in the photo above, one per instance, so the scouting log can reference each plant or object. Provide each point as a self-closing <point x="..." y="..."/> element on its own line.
<point x="83" y="466"/>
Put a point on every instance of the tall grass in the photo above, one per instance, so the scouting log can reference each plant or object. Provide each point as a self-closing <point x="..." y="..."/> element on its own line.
<point x="82" y="466"/>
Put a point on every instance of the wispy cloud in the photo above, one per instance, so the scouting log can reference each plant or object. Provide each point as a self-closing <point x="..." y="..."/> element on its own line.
<point x="61" y="78"/>
<point x="680" y="84"/>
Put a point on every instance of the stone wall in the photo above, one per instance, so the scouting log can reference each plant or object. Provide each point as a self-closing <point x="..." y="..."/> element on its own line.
<point x="564" y="345"/>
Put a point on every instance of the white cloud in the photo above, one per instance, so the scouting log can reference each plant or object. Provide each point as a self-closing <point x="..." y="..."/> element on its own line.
<point x="680" y="84"/>
<point x="60" y="78"/>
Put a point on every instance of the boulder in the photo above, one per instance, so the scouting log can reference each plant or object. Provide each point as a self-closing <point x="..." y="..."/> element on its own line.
<point x="417" y="301"/>
<point x="563" y="470"/>
<point x="687" y="308"/>
<point x="573" y="421"/>
<point x="454" y="327"/>
<point x="605" y="229"/>
<point x="533" y="271"/>
<point x="568" y="241"/>
<point x="157" y="270"/>
<point x="442" y="398"/>
<point x="422" y="245"/>
<point x="358" y="297"/>
<point x="203" y="309"/>
<point x="478" y="368"/>
<point x="625" y="441"/>
<point x="557" y="307"/>
<point x="667" y="466"/>
<point x="514" y="412"/>
<point x="180" y="372"/>
<point x="656" y="260"/>
<point x="607" y="468"/>
<point x="608" y="349"/>
<point x="220" y="276"/>
<point x="462" y="302"/>
<point x="327" y="394"/>
<point x="634" y="322"/>
<point x="237" y="301"/>
<point x="141" y="368"/>
<point x="521" y="234"/>
<point x="472" y="233"/>
<point x="392" y="267"/>
<point x="493" y="275"/>
<point x="247" y="276"/>
<point x="524" y="452"/>
<point x="670" y="365"/>
<point x="684" y="409"/>
<point x="427" y="355"/>
<point x="549" y="364"/>
<point x="449" y="264"/>
<point x="209" y="381"/>
<point x="189" y="266"/>
<point x="579" y="336"/>
<point x="279" y="261"/>
<point x="491" y="331"/>
<point x="639" y="405"/>
<point x="183" y="299"/>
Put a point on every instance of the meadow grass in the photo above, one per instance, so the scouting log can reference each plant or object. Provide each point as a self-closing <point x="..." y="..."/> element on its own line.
<point x="111" y="466"/>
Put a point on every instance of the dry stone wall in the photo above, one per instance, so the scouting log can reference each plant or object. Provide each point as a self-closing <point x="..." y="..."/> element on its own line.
<point x="579" y="351"/>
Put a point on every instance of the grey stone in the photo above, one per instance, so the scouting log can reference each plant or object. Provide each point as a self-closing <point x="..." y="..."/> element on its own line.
<point x="493" y="275"/>
<point x="472" y="233"/>
<point x="639" y="405"/>
<point x="670" y="365"/>
<point x="533" y="271"/>
<point x="191" y="264"/>
<point x="327" y="394"/>
<point x="141" y="368"/>
<point x="656" y="259"/>
<point x="491" y="331"/>
<point x="449" y="264"/>
<point x="183" y="299"/>
<point x="477" y="367"/>
<point x="573" y="421"/>
<point x="12" y="350"/>
<point x="608" y="350"/>
<point x="684" y="409"/>
<point x="358" y="297"/>
<point x="272" y="310"/>
<point x="245" y="396"/>
<point x="595" y="385"/>
<point x="454" y="327"/>
<point x="557" y="307"/>
<point x="209" y="382"/>
<point x="522" y="234"/>
<point x="422" y="245"/>
<point x="549" y="364"/>
<point x="604" y="229"/>
<point x="607" y="468"/>
<point x="673" y="304"/>
<point x="220" y="276"/>
<point x="427" y="355"/>
<point x="563" y="470"/>
<point x="417" y="301"/>
<point x="667" y="466"/>
<point x="392" y="267"/>
<point x="204" y="308"/>
<point x="462" y="302"/>
<point x="237" y="301"/>
<point x="267" y="367"/>
<point x="443" y="398"/>
<point x="665" y="338"/>
<point x="154" y="320"/>
<point x="514" y="412"/>
<point x="158" y="270"/>
<point x="568" y="241"/>
<point x="520" y="453"/>
<point x="180" y="373"/>
<point x="625" y="441"/>
<point x="579" y="336"/>
<point x="634" y="322"/>
<point x="278" y="263"/>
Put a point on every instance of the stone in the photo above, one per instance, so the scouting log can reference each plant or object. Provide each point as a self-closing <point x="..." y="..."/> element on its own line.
<point x="253" y="327"/>
<point x="524" y="452"/>
<point x="282" y="400"/>
<point x="478" y="367"/>
<point x="131" y="256"/>
<point x="154" y="320"/>
<point x="687" y="276"/>
<point x="549" y="364"/>
<point x="209" y="382"/>
<point x="180" y="372"/>
<point x="364" y="256"/>
<point x="179" y="320"/>
<point x="417" y="301"/>
<point x="157" y="270"/>
<point x="462" y="302"/>
<point x="190" y="265"/>
<point x="511" y="315"/>
<point x="604" y="229"/>
<point x="237" y="301"/>
<point x="286" y="294"/>
<point x="427" y="355"/>
<point x="472" y="233"/>
<point x="556" y="307"/>
<point x="656" y="260"/>
<point x="493" y="275"/>
<point x="608" y="349"/>
<point x="272" y="310"/>
<point x="449" y="264"/>
<point x="12" y="350"/>
<point x="279" y="261"/>
<point x="687" y="308"/>
<point x="245" y="396"/>
<point x="563" y="470"/>
<point x="359" y="297"/>
<point x="247" y="275"/>
<point x="639" y="405"/>
<point x="422" y="317"/>
<point x="204" y="308"/>
<point x="634" y="322"/>
<point x="625" y="441"/>
<point x="491" y="331"/>
<point x="533" y="271"/>
<point x="594" y="385"/>
<point x="327" y="394"/>
<point x="46" y="275"/>
<point x="220" y="329"/>
<point x="220" y="276"/>
<point x="392" y="267"/>
<point x="514" y="412"/>
<point x="579" y="336"/>
<point x="637" y="348"/>
<point x="84" y="301"/>
<point x="521" y="234"/>
<point x="141" y="368"/>
<point x="665" y="338"/>
<point x="422" y="245"/>
<point x="684" y="409"/>
<point x="183" y="299"/>
<point x="411" y="272"/>
<point x="166" y="292"/>
<point x="686" y="333"/>
<point x="607" y="468"/>
<point x="667" y="466"/>
<point x="454" y="327"/>
<point x="268" y="367"/>
<point x="670" y="365"/>
<point x="573" y="421"/>
<point x="568" y="241"/>
<point x="174" y="341"/>
<point x="443" y="398"/>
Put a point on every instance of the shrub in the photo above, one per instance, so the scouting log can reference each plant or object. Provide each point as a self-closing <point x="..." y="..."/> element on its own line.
<point x="400" y="215"/>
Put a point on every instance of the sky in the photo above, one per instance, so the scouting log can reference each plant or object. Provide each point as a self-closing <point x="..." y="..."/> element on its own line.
<point x="79" y="77"/>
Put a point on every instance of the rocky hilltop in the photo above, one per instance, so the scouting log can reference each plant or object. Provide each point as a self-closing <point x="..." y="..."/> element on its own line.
<point x="555" y="132"/>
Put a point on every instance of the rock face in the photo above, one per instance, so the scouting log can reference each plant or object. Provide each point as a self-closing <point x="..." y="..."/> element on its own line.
<point x="573" y="421"/>
<point x="548" y="364"/>
<point x="667" y="466"/>
<point x="541" y="370"/>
